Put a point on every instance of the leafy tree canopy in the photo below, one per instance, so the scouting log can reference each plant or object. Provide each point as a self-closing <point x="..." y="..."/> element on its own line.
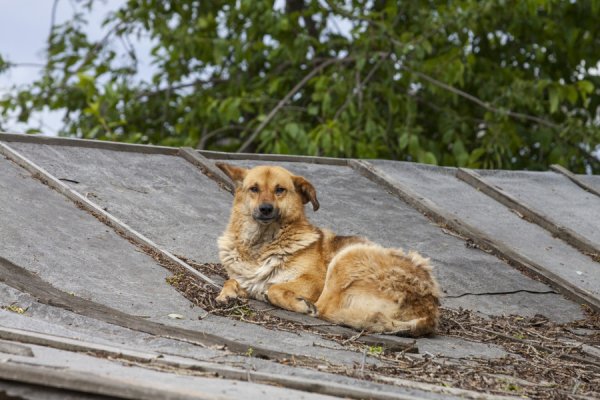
<point x="475" y="83"/>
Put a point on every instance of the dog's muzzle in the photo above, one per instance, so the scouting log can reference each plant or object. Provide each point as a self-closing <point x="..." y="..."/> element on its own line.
<point x="265" y="213"/>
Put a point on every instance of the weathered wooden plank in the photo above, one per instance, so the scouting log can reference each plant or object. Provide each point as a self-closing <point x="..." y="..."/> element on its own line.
<point x="16" y="349"/>
<point x="207" y="167"/>
<point x="310" y="385"/>
<point x="228" y="372"/>
<point x="562" y="232"/>
<point x="494" y="246"/>
<point x="74" y="345"/>
<point x="273" y="157"/>
<point x="562" y="170"/>
<point x="28" y="282"/>
<point x="96" y="144"/>
<point x="60" y="378"/>
<point x="153" y="149"/>
<point x="90" y="206"/>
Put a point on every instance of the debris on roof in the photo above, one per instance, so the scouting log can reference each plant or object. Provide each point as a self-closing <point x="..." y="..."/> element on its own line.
<point x="110" y="251"/>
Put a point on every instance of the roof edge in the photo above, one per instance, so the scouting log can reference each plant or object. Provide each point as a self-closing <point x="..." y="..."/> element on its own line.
<point x="154" y="149"/>
<point x="221" y="155"/>
<point x="89" y="143"/>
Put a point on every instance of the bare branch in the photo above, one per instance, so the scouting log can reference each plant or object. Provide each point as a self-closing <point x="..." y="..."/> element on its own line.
<point x="358" y="89"/>
<point x="92" y="52"/>
<point x="53" y="18"/>
<point x="197" y="82"/>
<point x="480" y="102"/>
<point x="298" y="6"/>
<point x="206" y="136"/>
<point x="25" y="64"/>
<point x="338" y="10"/>
<point x="287" y="97"/>
<point x="438" y="83"/>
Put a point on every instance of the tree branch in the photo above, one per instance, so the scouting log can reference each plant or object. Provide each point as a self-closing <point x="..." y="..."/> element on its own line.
<point x="92" y="52"/>
<point x="205" y="137"/>
<point x="440" y="84"/>
<point x="53" y="18"/>
<point x="287" y="97"/>
<point x="25" y="64"/>
<point x="298" y="6"/>
<point x="480" y="102"/>
<point x="358" y="89"/>
<point x="197" y="82"/>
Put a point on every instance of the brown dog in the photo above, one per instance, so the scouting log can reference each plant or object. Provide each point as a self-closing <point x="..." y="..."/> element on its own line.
<point x="271" y="252"/>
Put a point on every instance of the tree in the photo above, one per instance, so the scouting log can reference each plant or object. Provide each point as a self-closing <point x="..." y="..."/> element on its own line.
<point x="481" y="84"/>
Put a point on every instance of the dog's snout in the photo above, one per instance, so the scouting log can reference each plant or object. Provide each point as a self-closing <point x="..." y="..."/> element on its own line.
<point x="266" y="209"/>
<point x="265" y="213"/>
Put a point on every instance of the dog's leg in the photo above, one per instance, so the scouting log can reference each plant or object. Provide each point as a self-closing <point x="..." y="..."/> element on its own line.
<point x="297" y="295"/>
<point x="231" y="290"/>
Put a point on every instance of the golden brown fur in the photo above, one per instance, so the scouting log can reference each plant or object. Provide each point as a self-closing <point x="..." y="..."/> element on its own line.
<point x="271" y="252"/>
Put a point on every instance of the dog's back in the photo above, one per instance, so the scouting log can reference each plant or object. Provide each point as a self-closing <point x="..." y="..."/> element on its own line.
<point x="378" y="289"/>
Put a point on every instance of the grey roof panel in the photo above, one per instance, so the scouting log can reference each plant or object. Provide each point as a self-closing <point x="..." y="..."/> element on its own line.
<point x="70" y="249"/>
<point x="592" y="180"/>
<point x="477" y="209"/>
<point x="50" y="320"/>
<point x="149" y="191"/>
<point x="555" y="196"/>
<point x="552" y="305"/>
<point x="102" y="376"/>
<point x="162" y="196"/>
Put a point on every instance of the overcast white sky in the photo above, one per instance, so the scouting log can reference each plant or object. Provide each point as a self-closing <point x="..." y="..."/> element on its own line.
<point x="24" y="27"/>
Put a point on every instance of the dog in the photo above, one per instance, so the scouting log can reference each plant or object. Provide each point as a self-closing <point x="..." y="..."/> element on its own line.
<point x="271" y="252"/>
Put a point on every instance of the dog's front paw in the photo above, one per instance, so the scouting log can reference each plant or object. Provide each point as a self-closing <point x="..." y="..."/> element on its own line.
<point x="224" y="298"/>
<point x="231" y="291"/>
<point x="310" y="308"/>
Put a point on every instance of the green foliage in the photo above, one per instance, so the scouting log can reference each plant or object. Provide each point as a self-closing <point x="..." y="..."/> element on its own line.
<point x="375" y="350"/>
<point x="3" y="64"/>
<point x="15" y="308"/>
<point x="474" y="83"/>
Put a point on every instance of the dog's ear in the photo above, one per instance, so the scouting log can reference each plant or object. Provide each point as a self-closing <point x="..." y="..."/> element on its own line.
<point x="307" y="191"/>
<point x="236" y="174"/>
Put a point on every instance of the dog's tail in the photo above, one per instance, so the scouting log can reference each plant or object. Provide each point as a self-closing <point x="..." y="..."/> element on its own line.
<point x="424" y="320"/>
<point x="415" y="327"/>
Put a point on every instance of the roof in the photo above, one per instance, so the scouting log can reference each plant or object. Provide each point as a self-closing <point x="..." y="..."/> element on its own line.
<point x="100" y="240"/>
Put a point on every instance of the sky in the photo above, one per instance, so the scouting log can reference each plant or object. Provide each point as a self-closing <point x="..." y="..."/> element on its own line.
<point x="24" y="28"/>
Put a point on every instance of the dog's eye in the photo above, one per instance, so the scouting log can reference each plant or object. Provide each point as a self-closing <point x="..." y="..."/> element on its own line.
<point x="254" y="189"/>
<point x="279" y="190"/>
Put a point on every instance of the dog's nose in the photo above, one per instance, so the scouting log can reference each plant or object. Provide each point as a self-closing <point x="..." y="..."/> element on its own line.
<point x="266" y="209"/>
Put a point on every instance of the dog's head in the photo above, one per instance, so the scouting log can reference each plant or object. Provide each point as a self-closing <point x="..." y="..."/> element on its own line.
<point x="269" y="193"/>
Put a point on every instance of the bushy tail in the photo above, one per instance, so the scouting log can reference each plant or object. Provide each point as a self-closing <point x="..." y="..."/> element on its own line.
<point x="415" y="327"/>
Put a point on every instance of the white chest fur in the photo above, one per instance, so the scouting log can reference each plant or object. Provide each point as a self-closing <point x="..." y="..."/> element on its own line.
<point x="268" y="266"/>
<point x="272" y="270"/>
